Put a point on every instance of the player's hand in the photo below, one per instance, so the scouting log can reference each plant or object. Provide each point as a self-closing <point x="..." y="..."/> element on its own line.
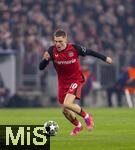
<point x="109" y="60"/>
<point x="46" y="55"/>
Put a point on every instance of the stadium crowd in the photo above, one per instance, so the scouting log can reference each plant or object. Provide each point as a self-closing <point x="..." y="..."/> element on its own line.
<point x="99" y="24"/>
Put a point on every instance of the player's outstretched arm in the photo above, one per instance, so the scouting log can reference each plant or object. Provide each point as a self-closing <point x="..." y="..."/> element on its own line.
<point x="45" y="60"/>
<point x="99" y="55"/>
<point x="88" y="52"/>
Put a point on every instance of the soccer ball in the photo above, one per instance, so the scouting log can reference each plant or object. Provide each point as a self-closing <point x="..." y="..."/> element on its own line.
<point x="51" y="128"/>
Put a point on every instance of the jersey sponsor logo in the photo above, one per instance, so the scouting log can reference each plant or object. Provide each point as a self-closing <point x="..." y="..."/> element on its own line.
<point x="65" y="62"/>
<point x="70" y="54"/>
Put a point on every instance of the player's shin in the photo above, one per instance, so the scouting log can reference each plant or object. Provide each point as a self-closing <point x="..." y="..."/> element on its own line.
<point x="83" y="113"/>
<point x="76" y="108"/>
<point x="71" y="117"/>
<point x="87" y="118"/>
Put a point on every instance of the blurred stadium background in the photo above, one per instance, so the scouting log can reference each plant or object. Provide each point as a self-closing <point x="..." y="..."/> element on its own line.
<point x="26" y="28"/>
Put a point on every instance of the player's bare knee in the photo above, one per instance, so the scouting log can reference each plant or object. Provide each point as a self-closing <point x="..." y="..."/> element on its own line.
<point x="66" y="104"/>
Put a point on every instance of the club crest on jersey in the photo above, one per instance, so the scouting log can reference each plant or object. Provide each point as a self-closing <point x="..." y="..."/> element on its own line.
<point x="70" y="54"/>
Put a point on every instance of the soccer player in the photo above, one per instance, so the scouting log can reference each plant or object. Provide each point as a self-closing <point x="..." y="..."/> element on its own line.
<point x="64" y="56"/>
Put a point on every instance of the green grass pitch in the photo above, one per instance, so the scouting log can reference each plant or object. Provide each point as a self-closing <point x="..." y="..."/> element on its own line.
<point x="114" y="128"/>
